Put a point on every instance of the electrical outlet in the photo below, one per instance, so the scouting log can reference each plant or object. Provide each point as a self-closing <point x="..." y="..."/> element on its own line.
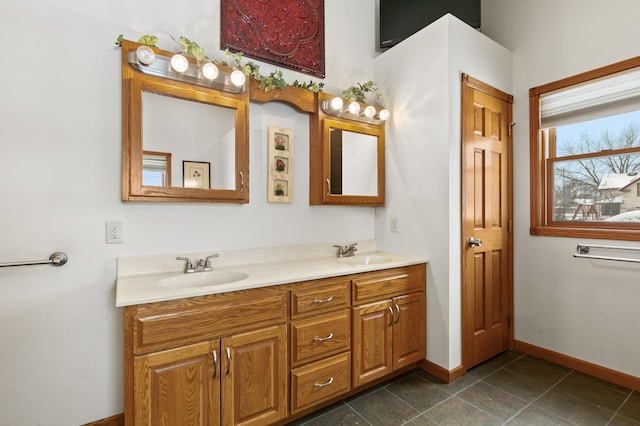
<point x="114" y="232"/>
<point x="393" y="224"/>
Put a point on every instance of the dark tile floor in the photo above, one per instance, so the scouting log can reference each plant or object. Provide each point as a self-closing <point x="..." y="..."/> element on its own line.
<point x="513" y="389"/>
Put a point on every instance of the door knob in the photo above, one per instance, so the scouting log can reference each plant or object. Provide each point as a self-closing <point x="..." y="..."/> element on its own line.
<point x="473" y="242"/>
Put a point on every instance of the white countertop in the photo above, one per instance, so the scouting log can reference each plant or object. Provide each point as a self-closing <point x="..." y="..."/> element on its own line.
<point x="139" y="278"/>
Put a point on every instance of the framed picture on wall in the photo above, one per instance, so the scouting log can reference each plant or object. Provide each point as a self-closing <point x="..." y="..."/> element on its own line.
<point x="280" y="165"/>
<point x="196" y="174"/>
<point x="288" y="33"/>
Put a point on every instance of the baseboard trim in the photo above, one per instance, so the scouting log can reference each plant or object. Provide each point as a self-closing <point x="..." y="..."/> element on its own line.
<point x="117" y="420"/>
<point x="441" y="373"/>
<point x="598" y="371"/>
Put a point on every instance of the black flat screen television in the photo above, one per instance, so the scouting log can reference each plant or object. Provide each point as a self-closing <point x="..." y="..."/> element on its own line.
<point x="400" y="19"/>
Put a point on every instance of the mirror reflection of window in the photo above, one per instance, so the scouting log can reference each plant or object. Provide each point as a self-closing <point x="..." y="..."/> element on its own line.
<point x="191" y="131"/>
<point x="156" y="168"/>
<point x="354" y="163"/>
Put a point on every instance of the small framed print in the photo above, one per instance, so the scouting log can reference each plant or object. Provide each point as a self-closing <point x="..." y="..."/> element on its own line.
<point x="196" y="174"/>
<point x="280" y="188"/>
<point x="280" y="167"/>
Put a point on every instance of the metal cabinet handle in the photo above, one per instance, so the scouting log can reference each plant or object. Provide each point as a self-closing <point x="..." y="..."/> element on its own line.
<point x="323" y="339"/>
<point x="392" y="315"/>
<point x="215" y="363"/>
<point x="241" y="181"/>
<point x="473" y="242"/>
<point x="228" y="361"/>
<point x="328" y="299"/>
<point x="328" y="187"/>
<point x="327" y="383"/>
<point x="398" y="311"/>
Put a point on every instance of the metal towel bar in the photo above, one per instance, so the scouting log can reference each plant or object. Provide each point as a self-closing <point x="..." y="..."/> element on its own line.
<point x="56" y="259"/>
<point x="583" y="252"/>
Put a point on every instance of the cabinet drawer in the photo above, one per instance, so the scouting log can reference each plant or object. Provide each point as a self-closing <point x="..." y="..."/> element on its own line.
<point x="319" y="296"/>
<point x="178" y="322"/>
<point x="320" y="381"/>
<point x="389" y="283"/>
<point x="314" y="338"/>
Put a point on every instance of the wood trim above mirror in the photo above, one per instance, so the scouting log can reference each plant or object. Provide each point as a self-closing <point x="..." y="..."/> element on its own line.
<point x="134" y="83"/>
<point x="320" y="159"/>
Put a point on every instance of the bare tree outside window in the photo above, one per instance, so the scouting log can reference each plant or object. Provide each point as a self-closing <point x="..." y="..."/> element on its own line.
<point x="595" y="174"/>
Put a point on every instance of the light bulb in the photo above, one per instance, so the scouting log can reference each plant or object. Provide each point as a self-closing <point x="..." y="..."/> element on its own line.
<point x="145" y="55"/>
<point x="354" y="108"/>
<point x="369" y="111"/>
<point x="237" y="78"/>
<point x="384" y="115"/>
<point x="336" y="103"/>
<point x="179" y="63"/>
<point x="210" y="71"/>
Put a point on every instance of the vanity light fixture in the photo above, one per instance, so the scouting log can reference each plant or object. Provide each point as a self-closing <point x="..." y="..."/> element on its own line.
<point x="354" y="111"/>
<point x="237" y="78"/>
<point x="384" y="115"/>
<point x="337" y="103"/>
<point x="210" y="71"/>
<point x="145" y="55"/>
<point x="179" y="68"/>
<point x="179" y="63"/>
<point x="370" y="111"/>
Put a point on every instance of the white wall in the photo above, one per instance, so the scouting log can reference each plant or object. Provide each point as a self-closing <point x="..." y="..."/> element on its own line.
<point x="60" y="119"/>
<point x="421" y="78"/>
<point x="584" y="309"/>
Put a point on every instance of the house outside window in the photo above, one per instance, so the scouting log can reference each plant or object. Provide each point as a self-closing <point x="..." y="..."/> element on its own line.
<point x="585" y="154"/>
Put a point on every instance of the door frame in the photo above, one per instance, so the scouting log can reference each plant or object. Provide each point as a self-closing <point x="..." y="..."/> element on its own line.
<point x="466" y="329"/>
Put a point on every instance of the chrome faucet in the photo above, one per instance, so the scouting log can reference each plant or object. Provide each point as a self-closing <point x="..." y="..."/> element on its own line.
<point x="202" y="265"/>
<point x="346" y="251"/>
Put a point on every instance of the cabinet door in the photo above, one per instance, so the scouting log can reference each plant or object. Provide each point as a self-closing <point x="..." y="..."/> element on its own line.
<point x="372" y="340"/>
<point x="409" y="329"/>
<point x="254" y="377"/>
<point x="178" y="386"/>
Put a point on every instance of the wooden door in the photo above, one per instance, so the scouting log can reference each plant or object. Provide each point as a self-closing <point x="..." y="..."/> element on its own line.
<point x="409" y="329"/>
<point x="486" y="217"/>
<point x="254" y="377"/>
<point x="372" y="341"/>
<point x="178" y="386"/>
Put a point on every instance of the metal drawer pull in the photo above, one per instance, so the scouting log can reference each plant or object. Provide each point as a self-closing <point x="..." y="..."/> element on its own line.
<point x="322" y="339"/>
<point x="228" y="361"/>
<point x="321" y="385"/>
<point x="215" y="363"/>
<point x="328" y="299"/>
<point x="391" y="312"/>
<point x="398" y="311"/>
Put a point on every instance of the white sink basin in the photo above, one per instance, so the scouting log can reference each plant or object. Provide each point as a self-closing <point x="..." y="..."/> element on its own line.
<point x="373" y="259"/>
<point x="202" y="279"/>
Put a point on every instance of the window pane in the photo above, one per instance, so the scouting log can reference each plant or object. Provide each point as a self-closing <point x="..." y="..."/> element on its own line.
<point x="153" y="178"/>
<point x="614" y="132"/>
<point x="586" y="190"/>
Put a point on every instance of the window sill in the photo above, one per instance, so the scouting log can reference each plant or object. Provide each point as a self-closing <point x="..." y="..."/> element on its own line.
<point x="585" y="232"/>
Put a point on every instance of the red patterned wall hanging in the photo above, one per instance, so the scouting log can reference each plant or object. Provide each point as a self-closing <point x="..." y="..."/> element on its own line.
<point x="289" y="33"/>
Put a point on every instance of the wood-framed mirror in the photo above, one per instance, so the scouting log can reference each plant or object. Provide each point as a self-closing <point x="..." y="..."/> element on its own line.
<point x="202" y="132"/>
<point x="347" y="161"/>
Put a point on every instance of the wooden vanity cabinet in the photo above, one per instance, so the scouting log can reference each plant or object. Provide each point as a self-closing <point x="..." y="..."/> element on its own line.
<point x="389" y="322"/>
<point x="210" y="360"/>
<point x="269" y="355"/>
